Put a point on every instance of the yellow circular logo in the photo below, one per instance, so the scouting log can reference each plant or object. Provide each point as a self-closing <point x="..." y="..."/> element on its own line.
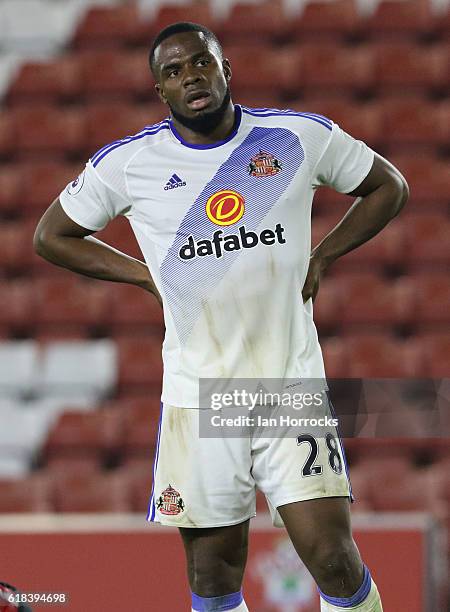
<point x="225" y="207"/>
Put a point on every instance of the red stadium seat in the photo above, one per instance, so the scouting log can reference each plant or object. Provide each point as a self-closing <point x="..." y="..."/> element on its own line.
<point x="15" y="250"/>
<point x="403" y="409"/>
<point x="373" y="461"/>
<point x="133" y="310"/>
<point x="140" y="364"/>
<point x="267" y="98"/>
<point x="61" y="332"/>
<point x="280" y="66"/>
<point x="378" y="356"/>
<point x="384" y="251"/>
<point x="342" y="68"/>
<point x="49" y="81"/>
<point x="28" y="253"/>
<point x="321" y="18"/>
<point x="360" y="488"/>
<point x="140" y="495"/>
<point x="370" y="303"/>
<point x="140" y="429"/>
<point x="10" y="189"/>
<point x="106" y="492"/>
<point x="38" y="265"/>
<point x="327" y="306"/>
<point x="323" y="224"/>
<point x="335" y="356"/>
<point x="108" y="122"/>
<point x="85" y="434"/>
<point x="367" y="449"/>
<point x="431" y="301"/>
<point x="436" y="350"/>
<point x="69" y="466"/>
<point x="406" y="66"/>
<point x="198" y="13"/>
<point x="390" y="492"/>
<point x="393" y="18"/>
<point x="443" y="25"/>
<point x="428" y="179"/>
<point x="141" y="408"/>
<point x="137" y="472"/>
<point x="49" y="130"/>
<point x="327" y="200"/>
<point x="7" y="134"/>
<point x="16" y="304"/>
<point x="119" y="234"/>
<point x="42" y="182"/>
<point x="362" y="121"/>
<point x="414" y="121"/>
<point x="439" y="475"/>
<point x="115" y="75"/>
<point x="108" y="26"/>
<point x="427" y="241"/>
<point x="70" y="300"/>
<point x="254" y="23"/>
<point x="31" y="494"/>
<point x="139" y="432"/>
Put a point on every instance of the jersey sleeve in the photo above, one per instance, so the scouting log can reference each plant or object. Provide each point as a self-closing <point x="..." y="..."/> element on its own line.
<point x="344" y="163"/>
<point x="91" y="202"/>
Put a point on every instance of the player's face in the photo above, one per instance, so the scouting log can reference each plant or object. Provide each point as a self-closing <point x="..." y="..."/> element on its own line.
<point x="192" y="77"/>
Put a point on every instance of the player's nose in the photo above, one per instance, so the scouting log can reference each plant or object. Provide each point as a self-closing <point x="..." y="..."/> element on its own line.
<point x="191" y="78"/>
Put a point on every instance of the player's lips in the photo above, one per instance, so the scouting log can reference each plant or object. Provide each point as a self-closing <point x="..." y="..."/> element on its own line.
<point x="199" y="99"/>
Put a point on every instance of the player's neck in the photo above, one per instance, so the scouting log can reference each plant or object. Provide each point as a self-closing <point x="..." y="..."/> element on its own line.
<point x="217" y="134"/>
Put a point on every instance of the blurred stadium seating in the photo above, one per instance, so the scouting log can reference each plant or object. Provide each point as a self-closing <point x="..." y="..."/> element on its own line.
<point x="80" y="362"/>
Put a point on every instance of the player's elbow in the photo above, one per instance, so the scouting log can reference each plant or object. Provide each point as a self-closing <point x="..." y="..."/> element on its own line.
<point x="42" y="241"/>
<point x="403" y="191"/>
<point x="399" y="192"/>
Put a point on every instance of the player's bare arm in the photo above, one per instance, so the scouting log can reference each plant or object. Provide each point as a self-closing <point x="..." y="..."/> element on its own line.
<point x="380" y="197"/>
<point x="63" y="242"/>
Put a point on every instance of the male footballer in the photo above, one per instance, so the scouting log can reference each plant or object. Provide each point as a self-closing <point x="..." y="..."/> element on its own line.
<point x="219" y="197"/>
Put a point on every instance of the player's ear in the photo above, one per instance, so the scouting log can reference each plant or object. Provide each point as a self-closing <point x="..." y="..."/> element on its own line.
<point x="227" y="69"/>
<point x="160" y="93"/>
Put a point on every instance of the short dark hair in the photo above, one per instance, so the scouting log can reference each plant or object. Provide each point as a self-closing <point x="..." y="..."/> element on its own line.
<point x="177" y="28"/>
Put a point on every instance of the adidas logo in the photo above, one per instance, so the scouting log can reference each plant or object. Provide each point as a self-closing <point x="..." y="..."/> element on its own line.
<point x="174" y="182"/>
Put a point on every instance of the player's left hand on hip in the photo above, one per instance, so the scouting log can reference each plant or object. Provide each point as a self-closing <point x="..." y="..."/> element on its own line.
<point x="312" y="282"/>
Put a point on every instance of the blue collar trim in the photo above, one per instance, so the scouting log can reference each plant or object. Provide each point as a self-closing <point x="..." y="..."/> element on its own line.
<point x="219" y="143"/>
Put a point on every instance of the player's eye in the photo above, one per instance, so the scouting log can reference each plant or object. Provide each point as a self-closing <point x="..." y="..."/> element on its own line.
<point x="203" y="62"/>
<point x="172" y="73"/>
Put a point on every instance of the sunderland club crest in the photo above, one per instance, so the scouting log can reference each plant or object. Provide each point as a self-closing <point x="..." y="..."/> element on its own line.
<point x="264" y="164"/>
<point x="170" y="502"/>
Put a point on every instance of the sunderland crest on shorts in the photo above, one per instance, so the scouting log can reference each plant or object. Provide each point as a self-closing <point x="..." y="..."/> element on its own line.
<point x="264" y="164"/>
<point x="170" y="502"/>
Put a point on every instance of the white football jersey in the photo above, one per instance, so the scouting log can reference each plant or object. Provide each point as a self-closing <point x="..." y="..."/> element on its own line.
<point x="225" y="230"/>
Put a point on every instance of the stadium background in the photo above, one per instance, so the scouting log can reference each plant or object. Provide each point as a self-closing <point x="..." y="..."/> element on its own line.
<point x="80" y="365"/>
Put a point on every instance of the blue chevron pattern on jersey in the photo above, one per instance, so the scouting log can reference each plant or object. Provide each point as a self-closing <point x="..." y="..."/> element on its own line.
<point x="261" y="194"/>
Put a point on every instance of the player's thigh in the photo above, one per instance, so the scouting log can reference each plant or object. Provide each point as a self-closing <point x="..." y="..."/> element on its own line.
<point x="216" y="558"/>
<point x="315" y="523"/>
<point x="320" y="530"/>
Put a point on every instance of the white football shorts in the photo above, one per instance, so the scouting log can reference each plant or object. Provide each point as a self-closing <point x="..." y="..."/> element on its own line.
<point x="211" y="482"/>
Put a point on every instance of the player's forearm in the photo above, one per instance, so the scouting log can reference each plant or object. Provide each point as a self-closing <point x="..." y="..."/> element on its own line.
<point x="366" y="217"/>
<point x="91" y="257"/>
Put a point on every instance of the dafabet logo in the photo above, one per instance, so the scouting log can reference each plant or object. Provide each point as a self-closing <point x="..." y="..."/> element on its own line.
<point x="227" y="207"/>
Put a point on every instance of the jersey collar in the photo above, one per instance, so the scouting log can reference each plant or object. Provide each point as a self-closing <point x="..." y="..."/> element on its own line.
<point x="214" y="145"/>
